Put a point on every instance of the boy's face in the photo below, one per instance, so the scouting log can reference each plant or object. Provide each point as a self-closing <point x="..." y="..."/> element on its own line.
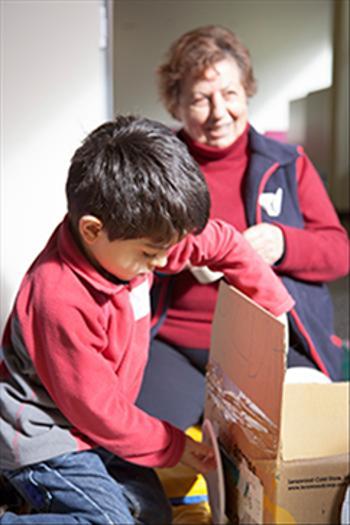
<point x="124" y="258"/>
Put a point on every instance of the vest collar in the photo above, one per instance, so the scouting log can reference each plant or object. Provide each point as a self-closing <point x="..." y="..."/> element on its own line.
<point x="271" y="149"/>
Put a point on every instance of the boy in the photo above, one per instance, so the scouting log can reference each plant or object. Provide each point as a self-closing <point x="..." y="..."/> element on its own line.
<point x="73" y="442"/>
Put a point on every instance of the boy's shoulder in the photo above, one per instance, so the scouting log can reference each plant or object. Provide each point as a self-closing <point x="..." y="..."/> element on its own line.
<point x="62" y="280"/>
<point x="53" y="281"/>
<point x="50" y="282"/>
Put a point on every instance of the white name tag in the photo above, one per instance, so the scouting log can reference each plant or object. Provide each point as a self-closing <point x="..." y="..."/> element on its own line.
<point x="272" y="202"/>
<point x="140" y="300"/>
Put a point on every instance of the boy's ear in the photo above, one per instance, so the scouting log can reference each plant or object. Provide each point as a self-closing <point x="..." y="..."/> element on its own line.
<point x="90" y="228"/>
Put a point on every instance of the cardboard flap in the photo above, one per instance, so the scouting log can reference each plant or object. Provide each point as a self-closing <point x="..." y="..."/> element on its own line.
<point x="248" y="344"/>
<point x="315" y="421"/>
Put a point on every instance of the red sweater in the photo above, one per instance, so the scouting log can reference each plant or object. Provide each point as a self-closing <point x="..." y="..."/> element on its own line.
<point x="76" y="346"/>
<point x="318" y="253"/>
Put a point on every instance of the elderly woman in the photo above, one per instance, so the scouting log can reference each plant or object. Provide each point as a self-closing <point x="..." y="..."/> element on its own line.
<point x="271" y="193"/>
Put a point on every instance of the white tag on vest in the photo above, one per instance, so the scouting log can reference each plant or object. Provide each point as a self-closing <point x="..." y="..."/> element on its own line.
<point x="140" y="300"/>
<point x="272" y="202"/>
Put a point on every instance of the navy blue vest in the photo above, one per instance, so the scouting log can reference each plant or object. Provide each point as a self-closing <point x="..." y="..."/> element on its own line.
<point x="272" y="170"/>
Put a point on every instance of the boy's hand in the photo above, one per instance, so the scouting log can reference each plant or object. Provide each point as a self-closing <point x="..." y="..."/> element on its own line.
<point x="198" y="456"/>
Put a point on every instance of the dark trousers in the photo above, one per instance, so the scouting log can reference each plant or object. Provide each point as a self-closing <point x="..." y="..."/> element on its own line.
<point x="173" y="387"/>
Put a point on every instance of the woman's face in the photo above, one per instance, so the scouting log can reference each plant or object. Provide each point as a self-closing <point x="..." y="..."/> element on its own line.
<point x="214" y="108"/>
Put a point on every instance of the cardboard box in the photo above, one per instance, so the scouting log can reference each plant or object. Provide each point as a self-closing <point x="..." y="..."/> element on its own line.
<point x="285" y="447"/>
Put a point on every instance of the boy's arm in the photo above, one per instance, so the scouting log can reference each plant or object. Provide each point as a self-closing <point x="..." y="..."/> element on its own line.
<point x="222" y="248"/>
<point x="68" y="348"/>
<point x="83" y="356"/>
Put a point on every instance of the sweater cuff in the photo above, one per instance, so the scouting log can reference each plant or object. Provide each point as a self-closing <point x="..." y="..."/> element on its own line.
<point x="176" y="449"/>
<point x="290" y="258"/>
<point x="284" y="307"/>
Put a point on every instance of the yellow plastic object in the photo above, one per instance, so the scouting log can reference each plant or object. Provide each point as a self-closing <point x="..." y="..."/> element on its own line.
<point x="195" y="514"/>
<point x="187" y="490"/>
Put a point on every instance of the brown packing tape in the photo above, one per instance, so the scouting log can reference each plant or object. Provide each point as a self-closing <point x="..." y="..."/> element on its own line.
<point x="241" y="414"/>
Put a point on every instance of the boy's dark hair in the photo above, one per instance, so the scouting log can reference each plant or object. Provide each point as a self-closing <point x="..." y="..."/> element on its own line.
<point x="138" y="178"/>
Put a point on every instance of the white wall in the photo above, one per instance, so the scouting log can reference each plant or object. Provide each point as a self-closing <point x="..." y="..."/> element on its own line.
<point x="53" y="94"/>
<point x="290" y="42"/>
<point x="340" y="182"/>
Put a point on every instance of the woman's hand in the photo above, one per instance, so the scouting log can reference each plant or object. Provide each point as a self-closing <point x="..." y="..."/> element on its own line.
<point x="198" y="456"/>
<point x="267" y="240"/>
